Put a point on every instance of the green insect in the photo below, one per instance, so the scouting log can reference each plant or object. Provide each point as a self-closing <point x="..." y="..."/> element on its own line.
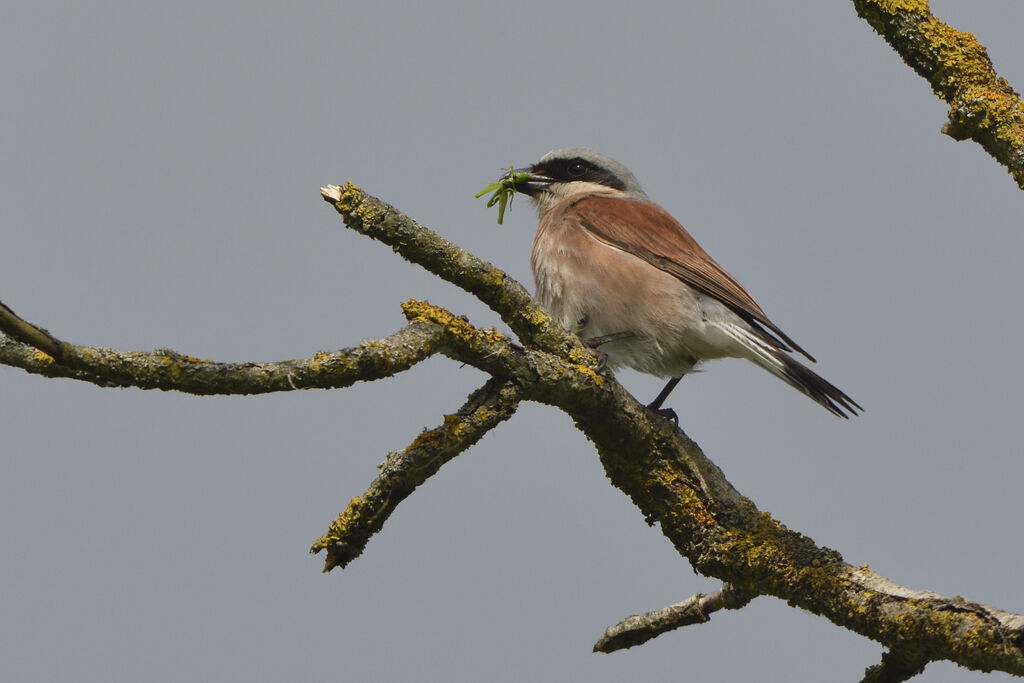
<point x="503" y="190"/>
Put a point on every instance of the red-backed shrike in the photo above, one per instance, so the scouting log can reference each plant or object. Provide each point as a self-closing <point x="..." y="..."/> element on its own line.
<point x="617" y="269"/>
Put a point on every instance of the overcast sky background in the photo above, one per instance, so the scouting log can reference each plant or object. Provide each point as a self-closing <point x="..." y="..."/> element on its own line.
<point x="159" y="175"/>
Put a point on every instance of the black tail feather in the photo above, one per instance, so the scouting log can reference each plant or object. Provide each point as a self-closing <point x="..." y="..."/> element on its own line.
<point x="818" y="388"/>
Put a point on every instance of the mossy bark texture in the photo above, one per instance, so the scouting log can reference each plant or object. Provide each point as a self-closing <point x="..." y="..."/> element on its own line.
<point x="982" y="106"/>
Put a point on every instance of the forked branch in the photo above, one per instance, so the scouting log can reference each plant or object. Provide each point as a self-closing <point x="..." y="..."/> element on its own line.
<point x="668" y="477"/>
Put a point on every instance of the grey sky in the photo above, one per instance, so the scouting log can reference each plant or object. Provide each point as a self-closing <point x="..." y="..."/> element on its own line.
<point x="159" y="188"/>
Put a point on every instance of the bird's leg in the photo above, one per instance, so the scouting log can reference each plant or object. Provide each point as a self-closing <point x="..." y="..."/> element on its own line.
<point x="594" y="342"/>
<point x="655" y="405"/>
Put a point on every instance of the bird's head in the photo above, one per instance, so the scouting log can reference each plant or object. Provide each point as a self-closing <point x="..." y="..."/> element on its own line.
<point x="576" y="171"/>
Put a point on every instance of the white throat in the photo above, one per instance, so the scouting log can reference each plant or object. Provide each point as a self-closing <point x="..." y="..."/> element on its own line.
<point x="556" y="193"/>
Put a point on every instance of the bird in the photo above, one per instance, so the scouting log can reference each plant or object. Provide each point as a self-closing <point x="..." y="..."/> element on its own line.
<point x="624" y="275"/>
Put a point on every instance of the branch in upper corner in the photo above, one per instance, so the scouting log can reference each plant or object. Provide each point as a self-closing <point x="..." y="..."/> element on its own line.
<point x="172" y="371"/>
<point x="983" y="106"/>
<point x="696" y="609"/>
<point x="894" y="668"/>
<point x="402" y="471"/>
<point x="509" y="299"/>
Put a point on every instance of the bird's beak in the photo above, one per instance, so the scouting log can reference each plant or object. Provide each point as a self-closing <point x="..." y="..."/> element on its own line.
<point x="534" y="183"/>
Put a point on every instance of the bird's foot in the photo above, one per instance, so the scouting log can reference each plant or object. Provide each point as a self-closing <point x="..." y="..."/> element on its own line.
<point x="666" y="413"/>
<point x="595" y="342"/>
<point x="655" y="405"/>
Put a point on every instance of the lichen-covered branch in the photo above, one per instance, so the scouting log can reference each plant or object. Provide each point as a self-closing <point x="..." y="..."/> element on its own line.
<point x="517" y="373"/>
<point x="983" y="106"/>
<point x="509" y="299"/>
<point x="720" y="532"/>
<point x="667" y="476"/>
<point x="172" y="371"/>
<point x="725" y="536"/>
<point x="403" y="471"/>
<point x="697" y="609"/>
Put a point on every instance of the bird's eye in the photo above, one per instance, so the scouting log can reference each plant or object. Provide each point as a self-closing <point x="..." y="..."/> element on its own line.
<point x="577" y="169"/>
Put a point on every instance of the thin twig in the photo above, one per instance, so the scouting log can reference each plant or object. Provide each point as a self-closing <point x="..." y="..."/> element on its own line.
<point x="696" y="609"/>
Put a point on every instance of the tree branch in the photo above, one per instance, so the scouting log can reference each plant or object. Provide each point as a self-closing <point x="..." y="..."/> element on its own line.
<point x="667" y="476"/>
<point x="172" y="371"/>
<point x="983" y="106"/>
<point x="403" y="471"/>
<point x="673" y="483"/>
<point x="515" y="372"/>
<point x="370" y="216"/>
<point x="697" y="609"/>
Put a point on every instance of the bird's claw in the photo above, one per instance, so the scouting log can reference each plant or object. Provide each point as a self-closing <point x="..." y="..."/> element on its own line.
<point x="666" y="413"/>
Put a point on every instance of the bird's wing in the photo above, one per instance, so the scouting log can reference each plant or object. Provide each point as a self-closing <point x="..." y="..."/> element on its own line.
<point x="649" y="232"/>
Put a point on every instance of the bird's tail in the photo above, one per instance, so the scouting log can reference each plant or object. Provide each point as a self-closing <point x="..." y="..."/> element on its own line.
<point x="797" y="375"/>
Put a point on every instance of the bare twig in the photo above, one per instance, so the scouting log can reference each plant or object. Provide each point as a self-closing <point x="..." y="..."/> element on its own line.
<point x="696" y="609"/>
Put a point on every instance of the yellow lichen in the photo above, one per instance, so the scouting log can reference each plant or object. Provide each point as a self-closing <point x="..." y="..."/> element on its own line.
<point x="341" y="527"/>
<point x="454" y="325"/>
<point x="351" y="203"/>
<point x="319" y="358"/>
<point x="894" y="6"/>
<point x="536" y="318"/>
<point x="493" y="277"/>
<point x="429" y="438"/>
<point x="695" y="508"/>
<point x="350" y="515"/>
<point x="587" y="370"/>
<point x="351" y="196"/>
<point x="454" y="425"/>
<point x="42" y="357"/>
